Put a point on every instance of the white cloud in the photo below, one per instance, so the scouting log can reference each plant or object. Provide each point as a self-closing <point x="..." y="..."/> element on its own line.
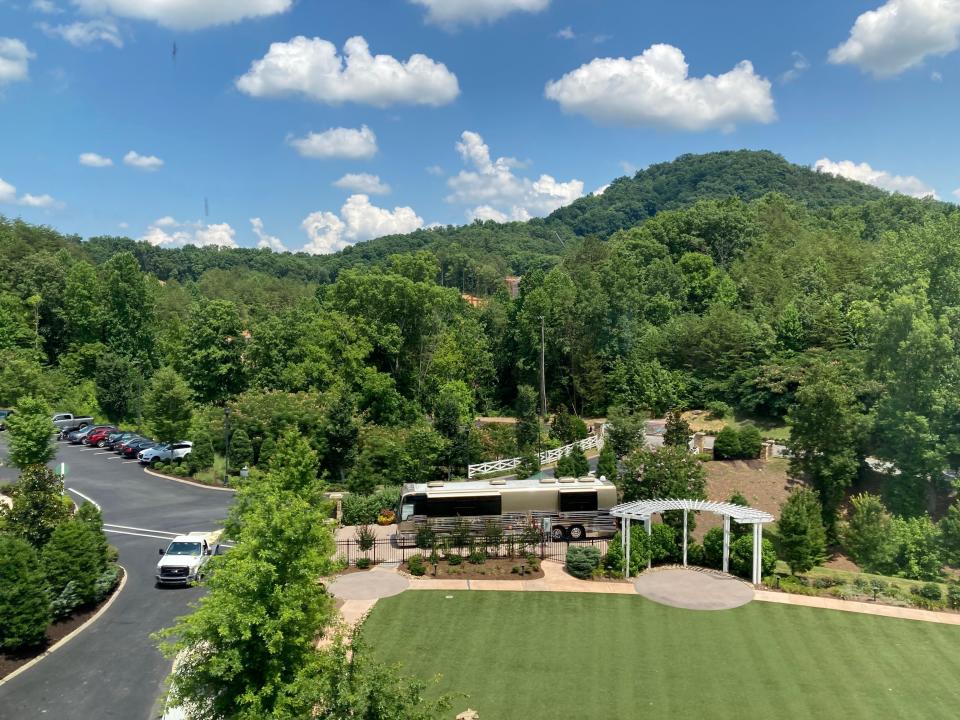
<point x="185" y="14"/>
<point x="312" y="67"/>
<point x="600" y="190"/>
<point x="363" y="183"/>
<point x="566" y="33"/>
<point x="800" y="65"/>
<point x="936" y="77"/>
<point x="168" y="232"/>
<point x="956" y="193"/>
<point x="654" y="89"/>
<point x="862" y="172"/>
<point x="264" y="240"/>
<point x="142" y="162"/>
<point x="358" y="220"/>
<point x="497" y="192"/>
<point x="435" y="170"/>
<point x="80" y="34"/>
<point x="628" y="167"/>
<point x="338" y="143"/>
<point x="14" y="60"/>
<point x="47" y="7"/>
<point x="91" y="159"/>
<point x="8" y="195"/>
<point x="899" y="35"/>
<point x="451" y="13"/>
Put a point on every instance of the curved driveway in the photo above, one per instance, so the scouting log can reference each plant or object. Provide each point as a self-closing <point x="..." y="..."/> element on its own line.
<point x="113" y="669"/>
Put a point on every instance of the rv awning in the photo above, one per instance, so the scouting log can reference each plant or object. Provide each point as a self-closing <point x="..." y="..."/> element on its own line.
<point x="463" y="494"/>
<point x="580" y="489"/>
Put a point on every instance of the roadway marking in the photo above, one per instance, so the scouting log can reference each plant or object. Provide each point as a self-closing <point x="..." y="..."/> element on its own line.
<point x="127" y="462"/>
<point x="124" y="532"/>
<point x="88" y="499"/>
<point x="147" y="530"/>
<point x="103" y="452"/>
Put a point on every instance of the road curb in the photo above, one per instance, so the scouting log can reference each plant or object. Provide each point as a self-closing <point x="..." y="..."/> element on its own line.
<point x="67" y="638"/>
<point x="148" y="471"/>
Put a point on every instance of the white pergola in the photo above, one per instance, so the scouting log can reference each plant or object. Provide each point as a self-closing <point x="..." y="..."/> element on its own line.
<point x="644" y="510"/>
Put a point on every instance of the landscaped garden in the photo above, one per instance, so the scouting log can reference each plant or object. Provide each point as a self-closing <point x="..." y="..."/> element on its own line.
<point x="579" y="655"/>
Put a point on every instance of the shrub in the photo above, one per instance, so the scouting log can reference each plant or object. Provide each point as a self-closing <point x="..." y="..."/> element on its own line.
<point x="69" y="599"/>
<point x="363" y="563"/>
<point x="386" y="517"/>
<point x="751" y="442"/>
<point x="416" y="565"/>
<point x="717" y="410"/>
<point x="24" y="605"/>
<point x="741" y="557"/>
<point x="74" y="555"/>
<point x="38" y="506"/>
<point x="241" y="449"/>
<point x="803" y="538"/>
<point x="663" y="544"/>
<point x="953" y="596"/>
<point x="695" y="554"/>
<point x="614" y="560"/>
<point x="492" y="534"/>
<point x="931" y="591"/>
<point x="454" y="559"/>
<point x="726" y="446"/>
<point x="919" y="542"/>
<point x="477" y="557"/>
<point x="529" y="466"/>
<point x="926" y="603"/>
<point x="364" y="509"/>
<point x="713" y="548"/>
<point x="534" y="562"/>
<point x="425" y="537"/>
<point x="567" y="428"/>
<point x="106" y="582"/>
<point x="365" y="537"/>
<point x="582" y="561"/>
<point x="868" y="536"/>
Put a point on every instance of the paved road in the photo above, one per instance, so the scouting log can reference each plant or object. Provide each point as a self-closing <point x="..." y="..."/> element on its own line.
<point x="112" y="669"/>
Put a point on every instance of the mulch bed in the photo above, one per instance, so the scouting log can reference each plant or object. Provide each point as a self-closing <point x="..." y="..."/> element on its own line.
<point x="492" y="569"/>
<point x="10" y="661"/>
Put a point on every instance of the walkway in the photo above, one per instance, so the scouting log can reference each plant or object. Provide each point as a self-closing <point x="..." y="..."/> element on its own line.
<point x="826" y="603"/>
<point x="694" y="589"/>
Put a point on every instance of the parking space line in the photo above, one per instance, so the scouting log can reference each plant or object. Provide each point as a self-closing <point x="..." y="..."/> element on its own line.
<point x="127" y="462"/>
<point x="124" y="532"/>
<point x="148" y="530"/>
<point x="88" y="499"/>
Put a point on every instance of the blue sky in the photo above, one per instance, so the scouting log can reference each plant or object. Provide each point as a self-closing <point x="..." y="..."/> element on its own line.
<point x="872" y="94"/>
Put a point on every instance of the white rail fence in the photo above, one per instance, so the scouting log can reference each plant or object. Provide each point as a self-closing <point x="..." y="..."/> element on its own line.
<point x="546" y="457"/>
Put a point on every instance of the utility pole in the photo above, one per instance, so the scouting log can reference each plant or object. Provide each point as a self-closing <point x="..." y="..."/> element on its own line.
<point x="226" y="443"/>
<point x="543" y="380"/>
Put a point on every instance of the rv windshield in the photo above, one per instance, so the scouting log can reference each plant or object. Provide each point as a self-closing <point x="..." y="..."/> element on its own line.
<point x="406" y="511"/>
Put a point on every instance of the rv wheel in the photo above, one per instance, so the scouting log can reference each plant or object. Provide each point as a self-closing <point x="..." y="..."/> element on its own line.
<point x="558" y="533"/>
<point x="577" y="532"/>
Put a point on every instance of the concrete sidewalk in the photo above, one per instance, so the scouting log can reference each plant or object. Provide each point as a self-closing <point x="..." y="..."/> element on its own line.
<point x="825" y="603"/>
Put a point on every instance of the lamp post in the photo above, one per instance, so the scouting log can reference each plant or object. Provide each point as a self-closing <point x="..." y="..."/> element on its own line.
<point x="226" y="443"/>
<point x="543" y="393"/>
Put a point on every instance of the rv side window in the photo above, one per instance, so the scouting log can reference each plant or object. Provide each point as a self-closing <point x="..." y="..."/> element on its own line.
<point x="578" y="501"/>
<point x="406" y="511"/>
<point x="463" y="506"/>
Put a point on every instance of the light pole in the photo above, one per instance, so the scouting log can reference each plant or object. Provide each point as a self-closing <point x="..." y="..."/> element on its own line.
<point x="543" y="393"/>
<point x="226" y="442"/>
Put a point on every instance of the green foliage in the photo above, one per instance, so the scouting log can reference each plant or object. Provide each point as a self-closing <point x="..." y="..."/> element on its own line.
<point x="415" y="565"/>
<point x="573" y="464"/>
<point x="918" y="556"/>
<point x="582" y="560"/>
<point x="363" y="509"/>
<point x="528" y="422"/>
<point x="119" y="383"/>
<point x="664" y="546"/>
<point x="868" y="536"/>
<point x="168" y="406"/>
<point x="718" y="410"/>
<point x="751" y="442"/>
<point x="802" y="536"/>
<point x="72" y="561"/>
<point x="201" y="454"/>
<point x="213" y="350"/>
<point x="615" y="560"/>
<point x="677" y="431"/>
<point x="713" y="547"/>
<point x="726" y="446"/>
<point x="670" y="472"/>
<point x="953" y="596"/>
<point x="38" y="506"/>
<point x="607" y="463"/>
<point x="241" y="449"/>
<point x="741" y="557"/>
<point x="624" y="431"/>
<point x="529" y="465"/>
<point x="24" y="604"/>
<point x="949" y="527"/>
<point x="567" y="428"/>
<point x="31" y="434"/>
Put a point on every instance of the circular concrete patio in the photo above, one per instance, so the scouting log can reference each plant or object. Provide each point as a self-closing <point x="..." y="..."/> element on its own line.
<point x="693" y="590"/>
<point x="368" y="585"/>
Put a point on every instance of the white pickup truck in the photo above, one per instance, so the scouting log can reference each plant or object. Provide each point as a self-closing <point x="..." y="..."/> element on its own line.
<point x="183" y="560"/>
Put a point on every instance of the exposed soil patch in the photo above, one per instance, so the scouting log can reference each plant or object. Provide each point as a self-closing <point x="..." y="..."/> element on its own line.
<point x="500" y="569"/>
<point x="10" y="661"/>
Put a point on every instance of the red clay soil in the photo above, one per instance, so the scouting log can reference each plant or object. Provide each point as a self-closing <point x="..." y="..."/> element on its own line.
<point x="490" y="570"/>
<point x="10" y="661"/>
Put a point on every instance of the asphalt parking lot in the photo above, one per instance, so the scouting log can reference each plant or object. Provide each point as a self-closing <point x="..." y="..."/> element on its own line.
<point x="113" y="669"/>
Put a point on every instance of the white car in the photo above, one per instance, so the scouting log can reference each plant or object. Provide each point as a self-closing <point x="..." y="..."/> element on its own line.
<point x="183" y="560"/>
<point x="165" y="453"/>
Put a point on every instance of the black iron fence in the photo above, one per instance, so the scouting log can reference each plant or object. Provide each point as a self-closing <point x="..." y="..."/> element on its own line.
<point x="386" y="550"/>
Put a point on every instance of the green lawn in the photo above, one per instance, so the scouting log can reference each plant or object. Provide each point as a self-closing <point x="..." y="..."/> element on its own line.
<point x="569" y="655"/>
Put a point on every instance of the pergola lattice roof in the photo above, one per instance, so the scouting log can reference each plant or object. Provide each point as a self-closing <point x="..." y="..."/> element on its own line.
<point x="643" y="509"/>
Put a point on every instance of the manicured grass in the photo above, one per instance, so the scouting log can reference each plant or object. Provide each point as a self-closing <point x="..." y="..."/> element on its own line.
<point x="535" y="656"/>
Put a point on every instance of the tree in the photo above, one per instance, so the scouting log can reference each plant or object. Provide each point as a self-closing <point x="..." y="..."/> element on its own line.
<point x="241" y="450"/>
<point x="248" y="649"/>
<point x="201" y="454"/>
<point x="803" y="539"/>
<point x="868" y="536"/>
<point x="118" y="386"/>
<point x="579" y="466"/>
<point x="128" y="311"/>
<point x="213" y="353"/>
<point x="607" y="463"/>
<point x="24" y="605"/>
<point x="72" y="561"/>
<point x="341" y="432"/>
<point x="751" y="442"/>
<point x="168" y="404"/>
<point x="741" y="557"/>
<point x="31" y="434"/>
<point x="677" y="431"/>
<point x="670" y="472"/>
<point x="949" y="527"/>
<point x="826" y="429"/>
<point x="528" y="421"/>
<point x="624" y="431"/>
<point x="918" y="554"/>
<point x="567" y="428"/>
<point x="38" y="505"/>
<point x="726" y="446"/>
<point x="90" y="515"/>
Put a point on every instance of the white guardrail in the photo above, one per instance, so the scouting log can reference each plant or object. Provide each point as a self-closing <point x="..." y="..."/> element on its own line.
<point x="546" y="457"/>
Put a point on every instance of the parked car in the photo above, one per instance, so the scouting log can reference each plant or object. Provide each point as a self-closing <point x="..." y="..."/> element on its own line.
<point x="132" y="449"/>
<point x="75" y="437"/>
<point x="68" y="421"/>
<point x="4" y="414"/>
<point x="98" y="437"/>
<point x="165" y="453"/>
<point x="115" y="439"/>
<point x="124" y="444"/>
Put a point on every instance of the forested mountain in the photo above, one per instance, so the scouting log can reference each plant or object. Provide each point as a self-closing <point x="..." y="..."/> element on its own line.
<point x="839" y="294"/>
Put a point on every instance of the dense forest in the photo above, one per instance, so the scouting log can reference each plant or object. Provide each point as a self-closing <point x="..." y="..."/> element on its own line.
<point x="723" y="279"/>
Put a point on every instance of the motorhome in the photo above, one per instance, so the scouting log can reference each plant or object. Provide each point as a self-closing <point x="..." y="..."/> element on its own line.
<point x="566" y="508"/>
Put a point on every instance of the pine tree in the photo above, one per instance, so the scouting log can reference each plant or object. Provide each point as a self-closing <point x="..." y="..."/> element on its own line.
<point x="38" y="506"/>
<point x="803" y="540"/>
<point x="677" y="431"/>
<point x="31" y="433"/>
<point x="24" y="604"/>
<point x="578" y="462"/>
<point x="241" y="449"/>
<point x="607" y="463"/>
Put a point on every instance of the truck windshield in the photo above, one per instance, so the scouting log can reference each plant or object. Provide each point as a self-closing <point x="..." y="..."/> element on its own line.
<point x="183" y="548"/>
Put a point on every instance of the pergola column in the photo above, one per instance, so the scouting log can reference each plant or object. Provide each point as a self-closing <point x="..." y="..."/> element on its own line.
<point x="726" y="543"/>
<point x="629" y="525"/>
<point x="756" y="553"/>
<point x="684" y="538"/>
<point x="648" y="524"/>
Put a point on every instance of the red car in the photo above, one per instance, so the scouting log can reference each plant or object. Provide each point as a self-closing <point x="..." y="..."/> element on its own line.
<point x="98" y="437"/>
